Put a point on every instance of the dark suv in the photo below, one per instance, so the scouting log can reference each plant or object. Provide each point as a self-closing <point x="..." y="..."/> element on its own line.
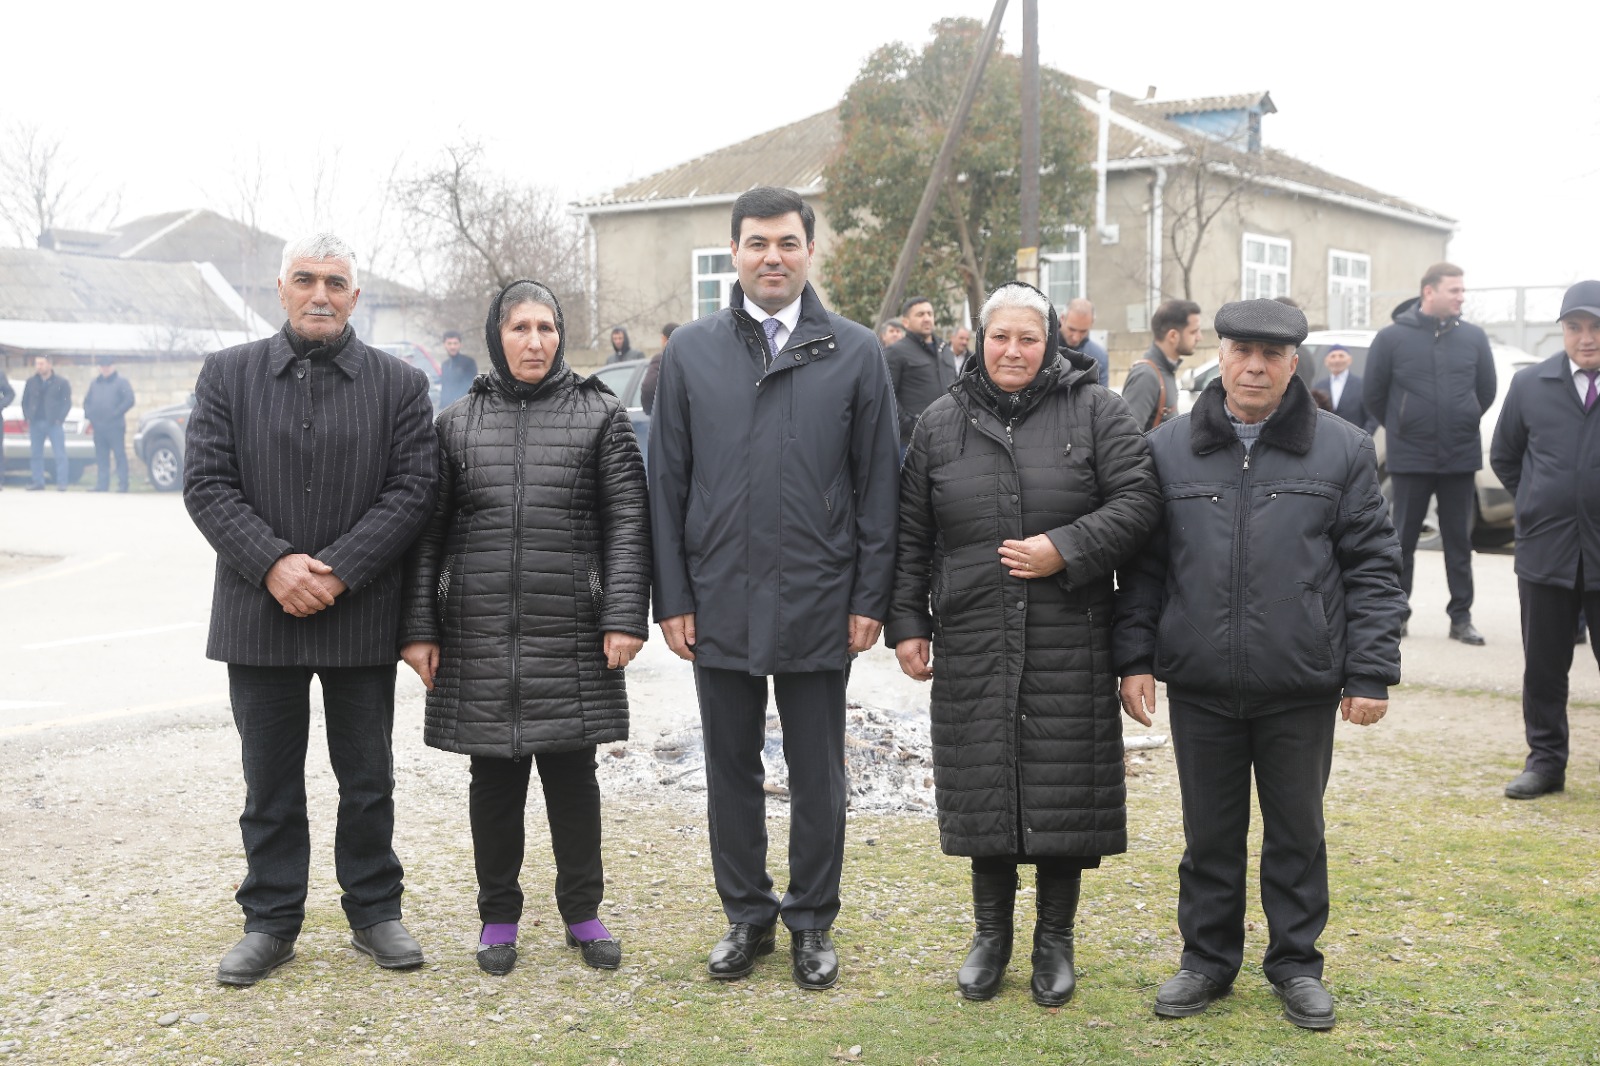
<point x="159" y="442"/>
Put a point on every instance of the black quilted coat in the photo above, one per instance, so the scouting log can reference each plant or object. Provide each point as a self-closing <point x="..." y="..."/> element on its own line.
<point x="1027" y="733"/>
<point x="538" y="544"/>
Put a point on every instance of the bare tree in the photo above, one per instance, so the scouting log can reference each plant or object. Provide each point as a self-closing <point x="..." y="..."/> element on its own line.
<point x="1215" y="177"/>
<point x="38" y="192"/>
<point x="472" y="233"/>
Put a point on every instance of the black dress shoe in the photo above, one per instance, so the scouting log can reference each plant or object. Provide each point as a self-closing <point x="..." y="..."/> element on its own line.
<point x="1466" y="634"/>
<point x="252" y="958"/>
<point x="1306" y="1002"/>
<point x="812" y="959"/>
<point x="1188" y="992"/>
<point x="735" y="954"/>
<point x="497" y="960"/>
<point x="1530" y="784"/>
<point x="603" y="953"/>
<point x="389" y="945"/>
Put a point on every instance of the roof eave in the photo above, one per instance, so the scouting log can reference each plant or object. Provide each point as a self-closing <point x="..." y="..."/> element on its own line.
<point x="618" y="207"/>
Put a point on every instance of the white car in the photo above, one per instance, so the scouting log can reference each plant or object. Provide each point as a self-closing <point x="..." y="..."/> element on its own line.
<point x="1493" y="519"/>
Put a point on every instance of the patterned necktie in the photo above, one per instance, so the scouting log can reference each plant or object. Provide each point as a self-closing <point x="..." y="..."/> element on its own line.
<point x="1589" y="397"/>
<point x="772" y="325"/>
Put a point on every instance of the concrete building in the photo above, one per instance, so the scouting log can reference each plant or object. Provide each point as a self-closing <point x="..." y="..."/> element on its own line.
<point x="1191" y="204"/>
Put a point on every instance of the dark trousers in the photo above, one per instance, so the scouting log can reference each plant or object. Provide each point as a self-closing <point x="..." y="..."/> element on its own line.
<point x="733" y="720"/>
<point x="1291" y="753"/>
<point x="110" y="441"/>
<point x="498" y="802"/>
<point x="1410" y="504"/>
<point x="1549" y="617"/>
<point x="56" y="434"/>
<point x="272" y="709"/>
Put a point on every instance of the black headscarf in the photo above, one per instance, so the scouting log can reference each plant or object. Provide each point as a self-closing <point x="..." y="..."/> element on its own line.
<point x="1011" y="405"/>
<point x="503" y="378"/>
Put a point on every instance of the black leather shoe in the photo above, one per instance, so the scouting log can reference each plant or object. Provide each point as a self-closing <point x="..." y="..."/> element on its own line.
<point x="1466" y="634"/>
<point x="812" y="959"/>
<point x="389" y="945"/>
<point x="603" y="953"/>
<point x="497" y="960"/>
<point x="1306" y="1002"/>
<point x="252" y="958"/>
<point x="735" y="954"/>
<point x="1188" y="993"/>
<point x="1530" y="784"/>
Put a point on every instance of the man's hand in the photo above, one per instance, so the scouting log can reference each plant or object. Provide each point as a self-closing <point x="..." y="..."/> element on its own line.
<point x="1362" y="711"/>
<point x="678" y="632"/>
<point x="913" y="653"/>
<point x="864" y="633"/>
<point x="303" y="585"/>
<point x="423" y="657"/>
<point x="620" y="648"/>
<point x="1139" y="697"/>
<point x="1034" y="557"/>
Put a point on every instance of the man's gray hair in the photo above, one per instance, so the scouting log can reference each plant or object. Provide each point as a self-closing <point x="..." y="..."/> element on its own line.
<point x="1015" y="294"/>
<point x="1080" y="305"/>
<point x="319" y="246"/>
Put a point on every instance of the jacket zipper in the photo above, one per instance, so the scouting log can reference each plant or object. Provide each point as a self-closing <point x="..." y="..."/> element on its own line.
<point x="1240" y="541"/>
<point x="516" y="589"/>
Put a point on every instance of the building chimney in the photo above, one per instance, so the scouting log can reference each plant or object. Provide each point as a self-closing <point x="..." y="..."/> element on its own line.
<point x="1150" y="92"/>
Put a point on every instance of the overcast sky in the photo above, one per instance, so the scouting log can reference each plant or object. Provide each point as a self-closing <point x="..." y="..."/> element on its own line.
<point x="1497" y="125"/>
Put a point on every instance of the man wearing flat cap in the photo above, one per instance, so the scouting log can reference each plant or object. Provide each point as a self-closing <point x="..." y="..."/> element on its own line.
<point x="1544" y="451"/>
<point x="1269" y="602"/>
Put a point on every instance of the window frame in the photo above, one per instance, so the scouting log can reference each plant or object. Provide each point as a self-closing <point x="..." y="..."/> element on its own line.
<point x="1266" y="266"/>
<point x="1364" y="285"/>
<point x="726" y="279"/>
<point x="1048" y="258"/>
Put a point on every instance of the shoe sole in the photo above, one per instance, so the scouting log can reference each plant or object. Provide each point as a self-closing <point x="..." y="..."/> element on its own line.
<point x="245" y="978"/>
<point x="729" y="975"/>
<point x="389" y="962"/>
<point x="1176" y="1010"/>
<point x="1510" y="795"/>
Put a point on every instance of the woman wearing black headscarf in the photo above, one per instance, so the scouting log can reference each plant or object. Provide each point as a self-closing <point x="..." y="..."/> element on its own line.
<point x="525" y="598"/>
<point x="1022" y="490"/>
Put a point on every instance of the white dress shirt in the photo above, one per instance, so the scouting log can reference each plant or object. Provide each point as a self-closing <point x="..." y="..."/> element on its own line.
<point x="787" y="318"/>
<point x="1336" y="384"/>
<point x="1580" y="379"/>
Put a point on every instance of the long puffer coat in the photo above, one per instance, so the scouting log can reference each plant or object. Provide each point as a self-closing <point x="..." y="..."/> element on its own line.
<point x="1027" y="732"/>
<point x="539" y="543"/>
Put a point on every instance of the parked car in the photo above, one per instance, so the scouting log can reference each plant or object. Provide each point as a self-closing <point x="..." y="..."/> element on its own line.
<point x="159" y="443"/>
<point x="1493" y="518"/>
<point x="80" y="442"/>
<point x="418" y="356"/>
<point x="624" y="379"/>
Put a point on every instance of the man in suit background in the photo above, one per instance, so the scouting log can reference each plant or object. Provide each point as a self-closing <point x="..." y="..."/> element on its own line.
<point x="1542" y="452"/>
<point x="311" y="469"/>
<point x="1344" y="389"/>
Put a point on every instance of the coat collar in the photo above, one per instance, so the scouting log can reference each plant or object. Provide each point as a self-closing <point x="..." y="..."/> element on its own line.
<point x="1292" y="427"/>
<point x="280" y="354"/>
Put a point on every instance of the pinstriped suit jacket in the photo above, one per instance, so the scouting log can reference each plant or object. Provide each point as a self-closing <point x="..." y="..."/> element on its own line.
<point x="335" y="460"/>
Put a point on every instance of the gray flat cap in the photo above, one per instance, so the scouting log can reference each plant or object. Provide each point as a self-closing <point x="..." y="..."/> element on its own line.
<point x="1261" y="320"/>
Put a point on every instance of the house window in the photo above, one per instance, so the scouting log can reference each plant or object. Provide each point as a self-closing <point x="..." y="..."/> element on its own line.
<point x="1349" y="290"/>
<point x="713" y="280"/>
<point x="1266" y="267"/>
<point x="1061" y="270"/>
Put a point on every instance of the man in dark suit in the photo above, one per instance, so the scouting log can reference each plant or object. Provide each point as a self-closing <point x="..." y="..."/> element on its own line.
<point x="774" y="499"/>
<point x="920" y="376"/>
<point x="1542" y="452"/>
<point x="311" y="469"/>
<point x="1344" y="389"/>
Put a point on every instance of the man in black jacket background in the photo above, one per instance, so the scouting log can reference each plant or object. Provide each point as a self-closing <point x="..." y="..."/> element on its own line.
<point x="311" y="466"/>
<point x="920" y="376"/>
<point x="1269" y="602"/>
<point x="46" y="402"/>
<point x="1544" y="451"/>
<point x="106" y="406"/>
<point x="774" y="499"/>
<point x="1430" y="377"/>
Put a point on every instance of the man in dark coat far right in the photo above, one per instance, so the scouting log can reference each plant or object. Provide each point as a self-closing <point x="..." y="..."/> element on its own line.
<point x="1544" y="451"/>
<point x="1269" y="602"/>
<point x="311" y="466"/>
<point x="1430" y="377"/>
<point x="774" y="498"/>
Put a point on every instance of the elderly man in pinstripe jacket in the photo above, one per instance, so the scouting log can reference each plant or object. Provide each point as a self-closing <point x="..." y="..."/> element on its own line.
<point x="311" y="469"/>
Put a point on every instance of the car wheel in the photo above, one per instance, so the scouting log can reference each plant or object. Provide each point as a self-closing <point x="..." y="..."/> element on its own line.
<point x="166" y="466"/>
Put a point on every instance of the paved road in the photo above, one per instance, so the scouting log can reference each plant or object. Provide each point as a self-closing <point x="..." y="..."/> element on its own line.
<point x="115" y="630"/>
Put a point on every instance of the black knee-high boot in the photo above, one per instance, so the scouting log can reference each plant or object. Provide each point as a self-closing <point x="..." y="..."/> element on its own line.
<point x="1053" y="977"/>
<point x="994" y="898"/>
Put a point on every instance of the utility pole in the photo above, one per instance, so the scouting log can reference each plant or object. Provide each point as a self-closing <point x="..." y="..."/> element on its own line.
<point x="941" y="168"/>
<point x="1028" y="254"/>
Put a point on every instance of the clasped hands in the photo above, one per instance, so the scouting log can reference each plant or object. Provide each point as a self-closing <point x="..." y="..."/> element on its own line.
<point x="303" y="585"/>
